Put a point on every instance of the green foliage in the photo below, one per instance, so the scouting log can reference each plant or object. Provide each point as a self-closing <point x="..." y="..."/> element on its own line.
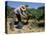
<point x="34" y="13"/>
<point x="9" y="11"/>
<point x="37" y="13"/>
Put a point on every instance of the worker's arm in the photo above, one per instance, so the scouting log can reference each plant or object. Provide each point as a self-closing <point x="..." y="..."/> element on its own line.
<point x="24" y="14"/>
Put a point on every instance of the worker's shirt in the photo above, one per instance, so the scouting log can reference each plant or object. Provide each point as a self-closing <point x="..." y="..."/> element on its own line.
<point x="18" y="11"/>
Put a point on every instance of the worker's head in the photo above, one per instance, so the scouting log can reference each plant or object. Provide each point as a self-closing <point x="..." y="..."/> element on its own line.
<point x="23" y="8"/>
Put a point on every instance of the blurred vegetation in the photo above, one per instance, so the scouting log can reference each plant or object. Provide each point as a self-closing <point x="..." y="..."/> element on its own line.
<point x="10" y="11"/>
<point x="36" y="13"/>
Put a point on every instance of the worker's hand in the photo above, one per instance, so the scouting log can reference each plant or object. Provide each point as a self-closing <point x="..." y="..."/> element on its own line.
<point x="30" y="15"/>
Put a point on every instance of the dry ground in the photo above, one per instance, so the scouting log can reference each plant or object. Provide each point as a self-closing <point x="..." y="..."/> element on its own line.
<point x="26" y="28"/>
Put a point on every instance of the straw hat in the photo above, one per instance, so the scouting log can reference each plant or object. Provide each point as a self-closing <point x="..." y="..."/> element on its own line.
<point x="23" y="7"/>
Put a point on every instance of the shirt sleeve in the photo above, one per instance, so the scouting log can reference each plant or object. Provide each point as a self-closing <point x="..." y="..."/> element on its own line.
<point x="17" y="11"/>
